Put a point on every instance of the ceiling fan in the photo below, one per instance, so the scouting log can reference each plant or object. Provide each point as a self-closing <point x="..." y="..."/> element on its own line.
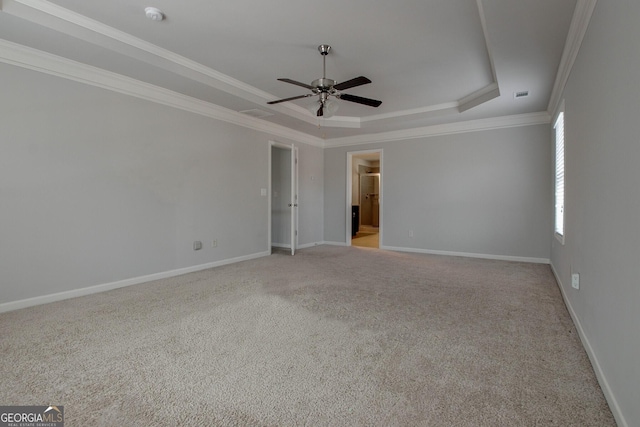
<point x="325" y="88"/>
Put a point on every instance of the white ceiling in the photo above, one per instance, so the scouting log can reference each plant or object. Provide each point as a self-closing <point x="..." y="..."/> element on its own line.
<point x="431" y="62"/>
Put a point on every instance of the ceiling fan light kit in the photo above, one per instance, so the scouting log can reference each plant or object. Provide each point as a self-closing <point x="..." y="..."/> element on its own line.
<point x="329" y="107"/>
<point x="325" y="88"/>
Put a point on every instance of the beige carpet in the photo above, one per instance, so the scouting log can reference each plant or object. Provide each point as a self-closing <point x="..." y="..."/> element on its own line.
<point x="335" y="336"/>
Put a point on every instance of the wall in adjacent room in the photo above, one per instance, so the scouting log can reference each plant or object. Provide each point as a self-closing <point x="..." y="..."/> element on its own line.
<point x="485" y="193"/>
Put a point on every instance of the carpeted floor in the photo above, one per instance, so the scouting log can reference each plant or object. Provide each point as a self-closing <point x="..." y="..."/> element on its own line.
<point x="335" y="336"/>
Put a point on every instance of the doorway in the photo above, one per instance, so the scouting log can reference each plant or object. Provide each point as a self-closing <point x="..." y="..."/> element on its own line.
<point x="364" y="198"/>
<point x="283" y="197"/>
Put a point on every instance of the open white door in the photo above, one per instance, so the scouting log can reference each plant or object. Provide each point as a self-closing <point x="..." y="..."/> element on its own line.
<point x="294" y="199"/>
<point x="283" y="196"/>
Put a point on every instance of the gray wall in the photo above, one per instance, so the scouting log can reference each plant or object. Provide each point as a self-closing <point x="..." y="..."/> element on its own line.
<point x="485" y="193"/>
<point x="602" y="216"/>
<point x="97" y="187"/>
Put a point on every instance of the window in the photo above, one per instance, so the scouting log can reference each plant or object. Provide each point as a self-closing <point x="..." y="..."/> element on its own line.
<point x="559" y="183"/>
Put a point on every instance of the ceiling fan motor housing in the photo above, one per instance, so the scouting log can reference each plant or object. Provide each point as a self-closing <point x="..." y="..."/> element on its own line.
<point x="323" y="84"/>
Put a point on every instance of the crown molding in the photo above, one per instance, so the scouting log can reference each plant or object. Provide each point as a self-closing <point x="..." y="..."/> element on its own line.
<point x="33" y="59"/>
<point x="415" y="113"/>
<point x="26" y="57"/>
<point x="53" y="16"/>
<point x="577" y="30"/>
<point x="480" y="96"/>
<point x="474" y="99"/>
<point x="79" y="26"/>
<point x="444" y="129"/>
<point x="485" y="31"/>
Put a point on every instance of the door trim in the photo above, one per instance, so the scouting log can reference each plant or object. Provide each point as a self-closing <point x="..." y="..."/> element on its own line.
<point x="294" y="199"/>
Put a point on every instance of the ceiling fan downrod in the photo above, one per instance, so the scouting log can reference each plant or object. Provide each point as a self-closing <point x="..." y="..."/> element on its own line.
<point x="324" y="50"/>
<point x="324" y="84"/>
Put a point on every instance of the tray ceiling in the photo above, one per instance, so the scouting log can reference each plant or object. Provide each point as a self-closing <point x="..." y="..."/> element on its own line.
<point x="431" y="63"/>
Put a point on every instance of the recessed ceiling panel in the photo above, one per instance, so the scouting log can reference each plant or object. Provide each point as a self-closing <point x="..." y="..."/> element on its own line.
<point x="416" y="52"/>
<point x="430" y="61"/>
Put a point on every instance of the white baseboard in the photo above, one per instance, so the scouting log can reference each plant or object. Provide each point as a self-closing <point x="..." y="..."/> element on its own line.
<point x="604" y="384"/>
<point x="469" y="255"/>
<point x="280" y="245"/>
<point x="305" y="246"/>
<point x="310" y="245"/>
<point x="334" y="243"/>
<point x="44" y="299"/>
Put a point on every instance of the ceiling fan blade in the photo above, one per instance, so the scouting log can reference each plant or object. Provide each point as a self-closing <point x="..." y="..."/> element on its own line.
<point x="360" y="100"/>
<point x="358" y="81"/>
<point x="320" y="112"/>
<point x="293" y="82"/>
<point x="290" y="99"/>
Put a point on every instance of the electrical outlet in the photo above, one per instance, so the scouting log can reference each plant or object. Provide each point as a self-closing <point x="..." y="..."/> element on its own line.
<point x="410" y="233"/>
<point x="197" y="245"/>
<point x="575" y="281"/>
<point x="214" y="243"/>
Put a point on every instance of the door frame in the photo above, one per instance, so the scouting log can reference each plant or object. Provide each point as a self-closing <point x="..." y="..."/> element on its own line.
<point x="349" y="186"/>
<point x="294" y="193"/>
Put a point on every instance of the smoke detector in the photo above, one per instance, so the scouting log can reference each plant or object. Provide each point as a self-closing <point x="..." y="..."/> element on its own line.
<point x="154" y="13"/>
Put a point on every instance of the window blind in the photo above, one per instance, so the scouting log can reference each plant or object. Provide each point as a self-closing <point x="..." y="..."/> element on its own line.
<point x="559" y="187"/>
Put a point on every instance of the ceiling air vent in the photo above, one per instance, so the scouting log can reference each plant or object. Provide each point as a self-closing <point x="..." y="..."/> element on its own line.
<point x="521" y="94"/>
<point x="258" y="114"/>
